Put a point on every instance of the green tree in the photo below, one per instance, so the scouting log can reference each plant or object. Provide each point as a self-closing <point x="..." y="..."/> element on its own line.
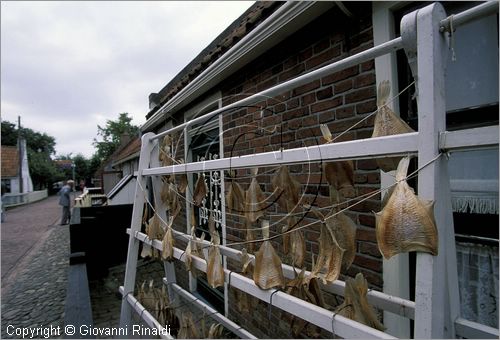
<point x="40" y="147"/>
<point x="111" y="134"/>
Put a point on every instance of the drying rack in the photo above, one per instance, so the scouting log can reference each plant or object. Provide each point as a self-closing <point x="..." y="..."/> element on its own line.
<point x="436" y="309"/>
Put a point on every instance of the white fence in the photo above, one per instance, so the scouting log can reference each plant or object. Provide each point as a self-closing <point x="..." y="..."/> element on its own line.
<point x="11" y="200"/>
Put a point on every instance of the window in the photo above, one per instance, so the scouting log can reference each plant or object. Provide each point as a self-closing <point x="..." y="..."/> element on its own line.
<point x="6" y="189"/>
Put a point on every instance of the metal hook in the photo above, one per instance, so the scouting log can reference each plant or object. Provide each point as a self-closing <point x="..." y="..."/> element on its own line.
<point x="271" y="304"/>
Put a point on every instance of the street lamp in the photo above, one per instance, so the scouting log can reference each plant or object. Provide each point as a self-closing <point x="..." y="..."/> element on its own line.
<point x="73" y="166"/>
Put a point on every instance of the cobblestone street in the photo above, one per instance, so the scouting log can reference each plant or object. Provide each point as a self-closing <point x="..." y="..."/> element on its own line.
<point x="34" y="266"/>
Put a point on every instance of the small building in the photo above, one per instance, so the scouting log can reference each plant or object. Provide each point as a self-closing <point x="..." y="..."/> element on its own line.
<point x="12" y="182"/>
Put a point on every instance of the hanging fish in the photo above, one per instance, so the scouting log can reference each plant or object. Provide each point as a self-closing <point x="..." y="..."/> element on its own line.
<point x="193" y="249"/>
<point x="296" y="241"/>
<point x="181" y="180"/>
<point x="339" y="174"/>
<point x="215" y="271"/>
<point x="286" y="188"/>
<point x="168" y="243"/>
<point x="356" y="306"/>
<point x="166" y="151"/>
<point x="254" y="199"/>
<point x="329" y="261"/>
<point x="242" y="298"/>
<point x="267" y="272"/>
<point x="235" y="198"/>
<point x="387" y="124"/>
<point x="249" y="236"/>
<point x="215" y="331"/>
<point x="406" y="223"/>
<point x="344" y="230"/>
<point x="200" y="190"/>
<point x="188" y="328"/>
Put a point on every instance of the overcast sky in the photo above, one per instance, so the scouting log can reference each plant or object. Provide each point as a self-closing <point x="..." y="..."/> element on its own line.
<point x="68" y="66"/>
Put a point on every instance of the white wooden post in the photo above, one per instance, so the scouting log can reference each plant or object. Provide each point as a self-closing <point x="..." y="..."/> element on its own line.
<point x="135" y="225"/>
<point x="435" y="299"/>
<point x="161" y="211"/>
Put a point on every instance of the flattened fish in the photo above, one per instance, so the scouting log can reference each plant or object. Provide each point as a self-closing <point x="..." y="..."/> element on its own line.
<point x="193" y="249"/>
<point x="286" y="188"/>
<point x="169" y="196"/>
<point x="267" y="272"/>
<point x="249" y="236"/>
<point x="235" y="198"/>
<point x="329" y="261"/>
<point x="339" y="174"/>
<point x="215" y="271"/>
<point x="254" y="199"/>
<point x="356" y="306"/>
<point x="181" y="180"/>
<point x="406" y="223"/>
<point x="167" y="243"/>
<point x="387" y="124"/>
<point x="166" y="151"/>
<point x="200" y="190"/>
<point x="215" y="331"/>
<point x="188" y="328"/>
<point x="242" y="298"/>
<point x="296" y="241"/>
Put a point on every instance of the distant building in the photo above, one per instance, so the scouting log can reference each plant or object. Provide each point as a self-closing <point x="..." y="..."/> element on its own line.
<point x="12" y="181"/>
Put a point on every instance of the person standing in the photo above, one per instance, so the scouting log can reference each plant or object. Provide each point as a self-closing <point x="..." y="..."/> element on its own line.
<point x="65" y="201"/>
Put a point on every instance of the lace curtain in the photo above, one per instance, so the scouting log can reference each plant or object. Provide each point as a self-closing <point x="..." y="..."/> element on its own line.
<point x="478" y="282"/>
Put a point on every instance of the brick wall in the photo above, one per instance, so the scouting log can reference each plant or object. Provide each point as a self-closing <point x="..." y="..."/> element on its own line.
<point x="338" y="100"/>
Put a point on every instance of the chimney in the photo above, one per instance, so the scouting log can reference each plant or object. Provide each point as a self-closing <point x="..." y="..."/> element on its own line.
<point x="154" y="100"/>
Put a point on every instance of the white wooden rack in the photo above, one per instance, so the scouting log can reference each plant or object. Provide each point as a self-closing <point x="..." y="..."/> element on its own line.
<point x="436" y="309"/>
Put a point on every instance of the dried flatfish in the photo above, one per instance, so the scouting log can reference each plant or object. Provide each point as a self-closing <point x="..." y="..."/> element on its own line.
<point x="267" y="272"/>
<point x="188" y="328"/>
<point x="286" y="188"/>
<point x="254" y="199"/>
<point x="406" y="223"/>
<point x="215" y="271"/>
<point x="215" y="331"/>
<point x="356" y="306"/>
<point x="166" y="151"/>
<point x="242" y="298"/>
<point x="181" y="180"/>
<point x="296" y="241"/>
<point x="235" y="198"/>
<point x="338" y="174"/>
<point x="387" y="124"/>
<point x="249" y="236"/>
<point x="200" y="190"/>
<point x="329" y="262"/>
<point x="167" y="243"/>
<point x="169" y="197"/>
<point x="193" y="249"/>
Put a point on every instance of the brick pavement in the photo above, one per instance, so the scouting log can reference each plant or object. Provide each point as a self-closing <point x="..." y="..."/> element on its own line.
<point x="34" y="266"/>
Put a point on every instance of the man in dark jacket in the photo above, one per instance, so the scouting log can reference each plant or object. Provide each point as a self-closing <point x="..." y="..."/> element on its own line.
<point x="65" y="201"/>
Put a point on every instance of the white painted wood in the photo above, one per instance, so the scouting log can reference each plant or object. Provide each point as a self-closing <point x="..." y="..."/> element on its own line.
<point x="318" y="316"/>
<point x="394" y="304"/>
<point x="484" y="137"/>
<point x="145" y="315"/>
<point x="473" y="330"/>
<point x="392" y="45"/>
<point x="160" y="209"/>
<point x="212" y="313"/>
<point x="476" y="12"/>
<point x="434" y="310"/>
<point x="396" y="275"/>
<point x="403" y="144"/>
<point x="133" y="246"/>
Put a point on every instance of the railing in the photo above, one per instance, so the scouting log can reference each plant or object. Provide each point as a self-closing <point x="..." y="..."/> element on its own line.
<point x="12" y="200"/>
<point x="436" y="306"/>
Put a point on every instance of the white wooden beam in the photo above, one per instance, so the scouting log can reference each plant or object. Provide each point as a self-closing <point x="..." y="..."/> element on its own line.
<point x="133" y="246"/>
<point x="403" y="144"/>
<point x="145" y="315"/>
<point x="318" y="316"/>
<point x="482" y="137"/>
<point x="229" y="324"/>
<point x="474" y="13"/>
<point x="436" y="286"/>
<point x="473" y="330"/>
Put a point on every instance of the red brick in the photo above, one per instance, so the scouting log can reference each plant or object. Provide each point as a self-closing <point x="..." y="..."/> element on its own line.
<point x="359" y="95"/>
<point x="343" y="86"/>
<point x="292" y="73"/>
<point x="342" y="125"/>
<point x="306" y="88"/>
<point x="366" y="164"/>
<point x="321" y="46"/>
<point x="368" y="65"/>
<point x="369" y="249"/>
<point x="326" y="104"/>
<point x="360" y="178"/>
<point x="309" y="132"/>
<point x="290" y="62"/>
<point x="311" y="120"/>
<point x="279" y="108"/>
<point x="324" y="93"/>
<point x="292" y="103"/>
<point x="368" y="263"/>
<point x="361" y="48"/>
<point x="366" y="235"/>
<point x="307" y="99"/>
<point x="366" y="107"/>
<point x="366" y="206"/>
<point x="341" y="75"/>
<point x="344" y="112"/>
<point x="326" y="116"/>
<point x="299" y="112"/>
<point x="267" y="84"/>
<point x="362" y="134"/>
<point x="260" y="141"/>
<point x="373" y="178"/>
<point x="324" y="57"/>
<point x="305" y="54"/>
<point x="364" y="80"/>
<point x="367" y="220"/>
